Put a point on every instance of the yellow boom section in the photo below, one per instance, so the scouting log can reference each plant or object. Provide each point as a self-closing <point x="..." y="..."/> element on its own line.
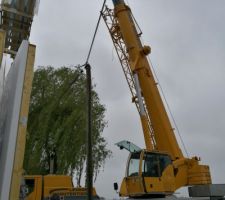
<point x="160" y="131"/>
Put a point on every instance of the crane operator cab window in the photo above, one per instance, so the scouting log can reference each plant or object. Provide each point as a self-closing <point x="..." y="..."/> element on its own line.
<point x="154" y="164"/>
<point x="133" y="168"/>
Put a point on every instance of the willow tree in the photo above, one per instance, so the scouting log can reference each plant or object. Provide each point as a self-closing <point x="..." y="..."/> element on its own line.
<point x="57" y="123"/>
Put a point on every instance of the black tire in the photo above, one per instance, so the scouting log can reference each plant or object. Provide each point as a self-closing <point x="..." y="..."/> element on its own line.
<point x="55" y="197"/>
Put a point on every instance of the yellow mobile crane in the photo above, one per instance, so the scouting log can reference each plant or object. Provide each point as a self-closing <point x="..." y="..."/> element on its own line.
<point x="161" y="168"/>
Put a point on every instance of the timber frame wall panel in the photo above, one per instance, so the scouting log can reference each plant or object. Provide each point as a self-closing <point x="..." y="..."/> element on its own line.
<point x="13" y="118"/>
<point x="22" y="126"/>
<point x="2" y="44"/>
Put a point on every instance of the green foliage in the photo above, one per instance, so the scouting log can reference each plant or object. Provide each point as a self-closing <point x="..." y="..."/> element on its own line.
<point x="57" y="123"/>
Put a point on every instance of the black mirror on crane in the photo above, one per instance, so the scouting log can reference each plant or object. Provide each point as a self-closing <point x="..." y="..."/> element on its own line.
<point x="115" y="185"/>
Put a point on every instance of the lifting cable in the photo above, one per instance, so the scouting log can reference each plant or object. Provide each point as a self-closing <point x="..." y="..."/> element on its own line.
<point x="169" y="109"/>
<point x="95" y="33"/>
<point x="88" y="56"/>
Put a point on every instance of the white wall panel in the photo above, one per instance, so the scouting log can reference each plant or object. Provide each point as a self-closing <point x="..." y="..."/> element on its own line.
<point x="9" y="118"/>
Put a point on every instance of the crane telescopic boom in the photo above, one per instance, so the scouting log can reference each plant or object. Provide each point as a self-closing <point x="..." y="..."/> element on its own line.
<point x="162" y="167"/>
<point x="164" y="136"/>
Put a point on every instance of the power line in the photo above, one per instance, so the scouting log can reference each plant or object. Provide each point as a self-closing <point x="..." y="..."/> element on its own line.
<point x="89" y="167"/>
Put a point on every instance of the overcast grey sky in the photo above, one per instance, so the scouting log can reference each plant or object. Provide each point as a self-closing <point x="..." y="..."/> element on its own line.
<point x="188" y="53"/>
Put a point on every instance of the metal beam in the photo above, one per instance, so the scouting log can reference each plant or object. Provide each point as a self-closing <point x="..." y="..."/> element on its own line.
<point x="21" y="136"/>
<point x="2" y="45"/>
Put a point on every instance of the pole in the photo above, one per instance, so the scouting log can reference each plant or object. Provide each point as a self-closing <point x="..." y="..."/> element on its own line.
<point x="89" y="175"/>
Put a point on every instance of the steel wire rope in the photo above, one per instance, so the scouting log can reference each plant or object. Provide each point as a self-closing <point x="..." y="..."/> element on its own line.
<point x="80" y="66"/>
<point x="87" y="59"/>
<point x="90" y="49"/>
<point x="168" y="107"/>
<point x="95" y="33"/>
<point x="162" y="92"/>
<point x="89" y="161"/>
<point x="91" y="45"/>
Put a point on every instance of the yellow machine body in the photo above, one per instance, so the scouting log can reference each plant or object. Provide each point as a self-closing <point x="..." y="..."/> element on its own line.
<point x="158" y="132"/>
<point x="155" y="174"/>
<point x="45" y="187"/>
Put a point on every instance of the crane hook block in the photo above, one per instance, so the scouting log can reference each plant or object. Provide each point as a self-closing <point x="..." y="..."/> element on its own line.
<point x="146" y="50"/>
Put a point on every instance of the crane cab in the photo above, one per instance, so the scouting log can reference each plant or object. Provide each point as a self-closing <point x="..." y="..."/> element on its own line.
<point x="148" y="173"/>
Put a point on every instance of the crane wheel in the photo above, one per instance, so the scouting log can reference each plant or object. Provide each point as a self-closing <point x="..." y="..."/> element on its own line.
<point x="55" y="197"/>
